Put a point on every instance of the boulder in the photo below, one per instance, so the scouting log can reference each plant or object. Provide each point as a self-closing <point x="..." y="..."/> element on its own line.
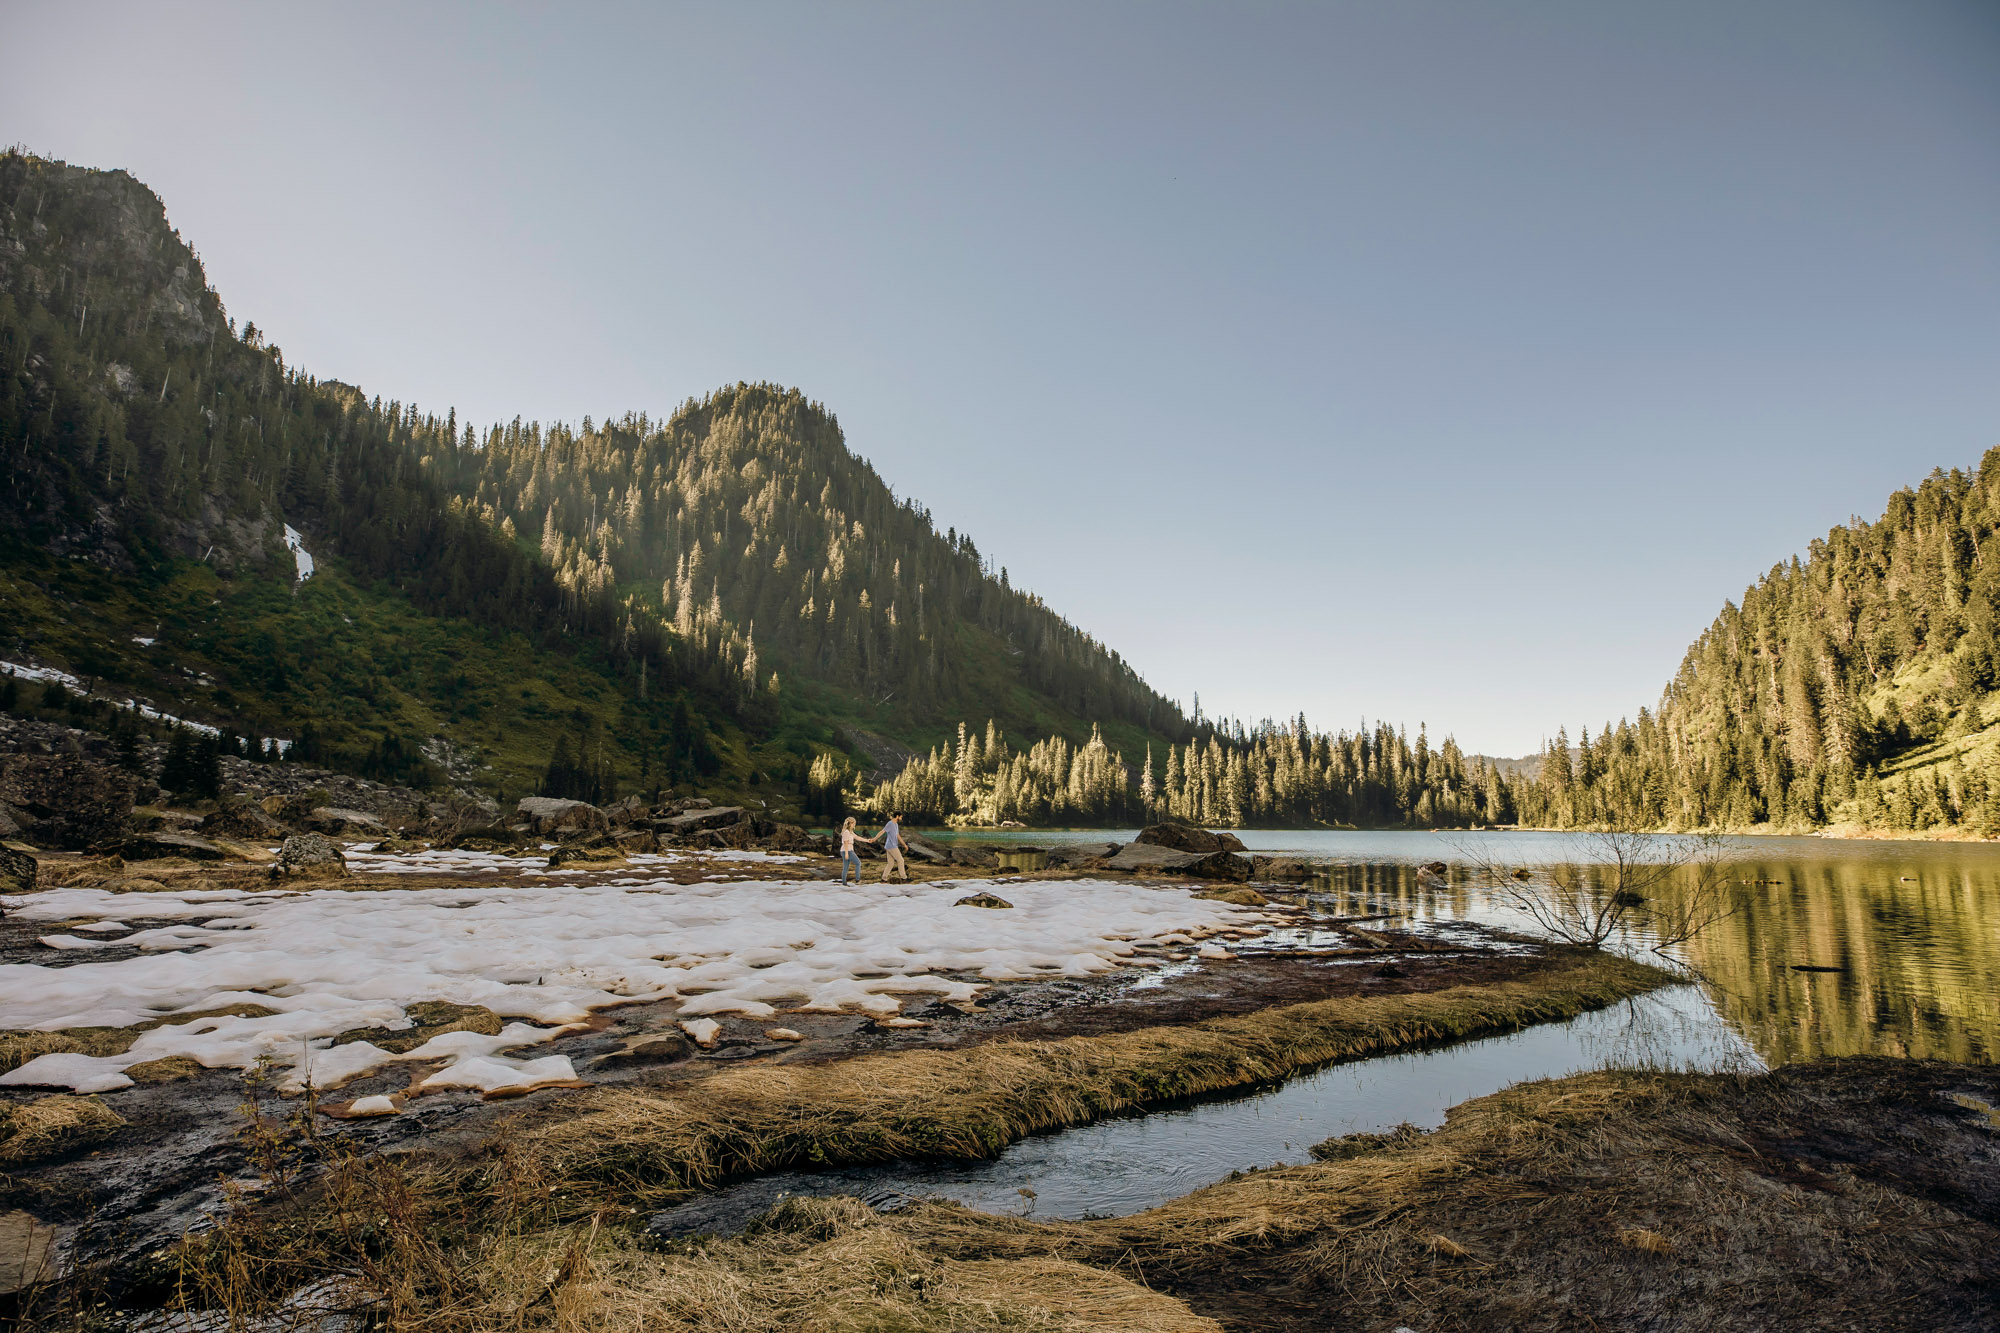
<point x="971" y="854"/>
<point x="157" y="846"/>
<point x="553" y="816"/>
<point x="694" y="821"/>
<point x="983" y="900"/>
<point x="310" y="856"/>
<point x="72" y="801"/>
<point x="1236" y="897"/>
<point x="13" y="823"/>
<point x="17" y="868"/>
<point x="1188" y="838"/>
<point x="337" y="822"/>
<point x="628" y="811"/>
<point x="244" y="820"/>
<point x="1281" y="869"/>
<point x="735" y="837"/>
<point x="1081" y="853"/>
<point x="1148" y="858"/>
<point x="631" y="840"/>
<point x="920" y="850"/>
<point x="1152" y="859"/>
<point x="791" y="838"/>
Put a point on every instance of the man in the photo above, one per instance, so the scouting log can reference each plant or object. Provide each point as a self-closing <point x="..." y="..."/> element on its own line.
<point x="891" y="838"/>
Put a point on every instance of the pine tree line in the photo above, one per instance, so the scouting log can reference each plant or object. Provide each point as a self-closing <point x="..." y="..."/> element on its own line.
<point x="1275" y="775"/>
<point x="1827" y="695"/>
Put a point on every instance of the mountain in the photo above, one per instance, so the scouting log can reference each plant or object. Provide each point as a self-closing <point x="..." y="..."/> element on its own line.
<point x="723" y="596"/>
<point x="1853" y="688"/>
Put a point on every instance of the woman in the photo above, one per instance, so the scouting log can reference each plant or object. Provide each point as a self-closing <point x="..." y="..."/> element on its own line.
<point x="848" y="856"/>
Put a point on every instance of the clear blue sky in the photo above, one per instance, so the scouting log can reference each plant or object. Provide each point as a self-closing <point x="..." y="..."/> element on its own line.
<point x="1444" y="363"/>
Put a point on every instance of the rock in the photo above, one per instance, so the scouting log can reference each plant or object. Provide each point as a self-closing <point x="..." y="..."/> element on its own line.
<point x="625" y="812"/>
<point x="13" y="823"/>
<point x="704" y="817"/>
<point x="982" y="900"/>
<point x="74" y="801"/>
<point x="1236" y="897"/>
<point x="552" y="816"/>
<point x="923" y="851"/>
<point x="1281" y="869"/>
<point x="339" y="822"/>
<point x="1081" y="853"/>
<point x="1184" y="838"/>
<point x="158" y="846"/>
<point x="1153" y="859"/>
<point x="651" y="1048"/>
<point x="791" y="838"/>
<point x="632" y="840"/>
<point x="601" y="852"/>
<point x="30" y="1252"/>
<point x="1007" y="870"/>
<point x="1148" y="858"/>
<point x="18" y="868"/>
<point x="244" y="820"/>
<point x="1436" y="867"/>
<point x="783" y="1034"/>
<point x="310" y="856"/>
<point x="969" y="854"/>
<point x="734" y="837"/>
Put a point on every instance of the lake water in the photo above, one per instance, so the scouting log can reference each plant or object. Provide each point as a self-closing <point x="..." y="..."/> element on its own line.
<point x="1914" y="928"/>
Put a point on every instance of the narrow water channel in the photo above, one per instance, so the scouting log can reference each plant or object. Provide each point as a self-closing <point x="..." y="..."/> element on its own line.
<point x="1122" y="1166"/>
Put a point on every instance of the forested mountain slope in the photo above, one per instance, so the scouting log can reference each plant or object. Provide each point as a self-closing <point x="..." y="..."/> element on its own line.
<point x="715" y="593"/>
<point x="1854" y="687"/>
<point x="746" y="516"/>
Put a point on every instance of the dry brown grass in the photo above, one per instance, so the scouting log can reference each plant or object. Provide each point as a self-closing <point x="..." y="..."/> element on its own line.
<point x="46" y="1126"/>
<point x="972" y="1102"/>
<point x="814" y="1265"/>
<point x="1853" y="1195"/>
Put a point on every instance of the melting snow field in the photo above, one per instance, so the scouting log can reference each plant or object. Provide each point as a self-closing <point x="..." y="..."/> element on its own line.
<point x="330" y="960"/>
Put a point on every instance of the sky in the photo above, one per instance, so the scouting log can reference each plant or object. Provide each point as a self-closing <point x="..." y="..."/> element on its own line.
<point x="1442" y="363"/>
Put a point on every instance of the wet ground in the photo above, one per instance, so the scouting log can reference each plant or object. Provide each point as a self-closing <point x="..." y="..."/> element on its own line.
<point x="167" y="1172"/>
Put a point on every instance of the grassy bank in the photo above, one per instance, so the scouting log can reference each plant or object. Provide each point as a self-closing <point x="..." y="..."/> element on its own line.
<point x="973" y="1102"/>
<point x="1844" y="1195"/>
<point x="1850" y="1195"/>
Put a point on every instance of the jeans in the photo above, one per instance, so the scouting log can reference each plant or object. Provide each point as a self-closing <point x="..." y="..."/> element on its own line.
<point x="850" y="859"/>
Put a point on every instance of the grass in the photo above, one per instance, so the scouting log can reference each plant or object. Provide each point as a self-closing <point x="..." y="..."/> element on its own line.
<point x="1846" y="1195"/>
<point x="45" y="1126"/>
<point x="973" y="1102"/>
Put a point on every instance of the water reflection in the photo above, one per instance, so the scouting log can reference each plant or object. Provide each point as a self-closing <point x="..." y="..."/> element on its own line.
<point x="1912" y="927"/>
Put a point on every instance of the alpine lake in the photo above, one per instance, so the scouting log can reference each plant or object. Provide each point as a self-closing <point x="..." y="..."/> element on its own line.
<point x="1831" y="948"/>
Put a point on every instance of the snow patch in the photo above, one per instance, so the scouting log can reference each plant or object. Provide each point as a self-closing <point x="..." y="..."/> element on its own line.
<point x="546" y="952"/>
<point x="302" y="558"/>
<point x="49" y="675"/>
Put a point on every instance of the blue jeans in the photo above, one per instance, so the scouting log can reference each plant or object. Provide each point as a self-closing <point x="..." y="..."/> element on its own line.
<point x="850" y="859"/>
